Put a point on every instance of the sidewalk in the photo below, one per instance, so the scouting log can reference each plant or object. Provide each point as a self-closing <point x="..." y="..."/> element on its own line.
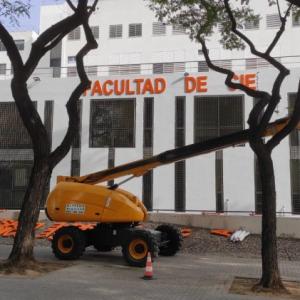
<point x="106" y="276"/>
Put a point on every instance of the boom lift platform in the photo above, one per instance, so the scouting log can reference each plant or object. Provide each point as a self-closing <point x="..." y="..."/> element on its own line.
<point x="117" y="212"/>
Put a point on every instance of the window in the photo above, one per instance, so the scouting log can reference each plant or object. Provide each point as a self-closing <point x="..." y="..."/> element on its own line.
<point x="124" y="69"/>
<point x="180" y="142"/>
<point x="71" y="72"/>
<point x="178" y="29"/>
<point x="158" y="28"/>
<point x="20" y="44"/>
<point x="2" y="69"/>
<point x="13" y="134"/>
<point x="74" y="35"/>
<point x="71" y="59"/>
<point x="217" y="115"/>
<point x="256" y="63"/>
<point x="273" y="21"/>
<point x="160" y="68"/>
<point x="295" y="161"/>
<point x="202" y="66"/>
<point x="115" y="31"/>
<point x="226" y="64"/>
<point x="251" y="24"/>
<point x="91" y="70"/>
<point x="296" y="19"/>
<point x="135" y="30"/>
<point x="112" y="123"/>
<point x="148" y="151"/>
<point x="2" y="47"/>
<point x="95" y="31"/>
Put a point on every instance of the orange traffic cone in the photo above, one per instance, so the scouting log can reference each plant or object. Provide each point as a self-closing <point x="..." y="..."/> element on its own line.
<point x="148" y="275"/>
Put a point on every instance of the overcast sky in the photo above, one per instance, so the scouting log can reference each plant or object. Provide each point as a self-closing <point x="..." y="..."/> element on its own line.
<point x="32" y="23"/>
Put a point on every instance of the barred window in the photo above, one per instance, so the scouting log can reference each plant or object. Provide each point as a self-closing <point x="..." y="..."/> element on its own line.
<point x="20" y="44"/>
<point x="160" y="68"/>
<point x="75" y="34"/>
<point x="294" y="161"/>
<point x="273" y="21"/>
<point x="135" y="30"/>
<point x="95" y="31"/>
<point x="112" y="123"/>
<point x="251" y="24"/>
<point x="226" y="63"/>
<point x="202" y="66"/>
<point x="91" y="70"/>
<point x="217" y="116"/>
<point x="124" y="69"/>
<point x="2" y="69"/>
<point x="71" y="71"/>
<point x="296" y="19"/>
<point x="159" y="28"/>
<point x="178" y="29"/>
<point x="13" y="134"/>
<point x="115" y="31"/>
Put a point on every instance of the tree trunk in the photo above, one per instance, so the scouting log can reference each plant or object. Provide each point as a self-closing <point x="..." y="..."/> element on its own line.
<point x="22" y="252"/>
<point x="270" y="272"/>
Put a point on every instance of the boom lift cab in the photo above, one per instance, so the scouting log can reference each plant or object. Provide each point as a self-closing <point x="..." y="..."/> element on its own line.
<point x="117" y="212"/>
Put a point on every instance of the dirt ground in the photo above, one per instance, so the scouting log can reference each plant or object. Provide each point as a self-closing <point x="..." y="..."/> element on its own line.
<point x="202" y="242"/>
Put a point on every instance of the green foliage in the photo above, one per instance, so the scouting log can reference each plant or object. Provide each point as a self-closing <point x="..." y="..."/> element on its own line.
<point x="202" y="18"/>
<point x="12" y="10"/>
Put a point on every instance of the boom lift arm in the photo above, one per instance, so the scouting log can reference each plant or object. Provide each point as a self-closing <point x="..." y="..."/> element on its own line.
<point x="141" y="167"/>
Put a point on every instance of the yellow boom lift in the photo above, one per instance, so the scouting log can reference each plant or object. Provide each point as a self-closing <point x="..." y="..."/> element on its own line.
<point x="117" y="212"/>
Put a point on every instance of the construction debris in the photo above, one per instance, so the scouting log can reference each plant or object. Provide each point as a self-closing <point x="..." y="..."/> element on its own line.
<point x="239" y="235"/>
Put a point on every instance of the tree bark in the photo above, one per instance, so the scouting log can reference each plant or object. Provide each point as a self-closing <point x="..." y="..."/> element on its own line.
<point x="270" y="272"/>
<point x="22" y="252"/>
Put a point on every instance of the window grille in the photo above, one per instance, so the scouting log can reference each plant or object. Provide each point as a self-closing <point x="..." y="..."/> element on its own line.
<point x="124" y="69"/>
<point x="294" y="160"/>
<point x="48" y="118"/>
<point x="251" y="24"/>
<point x="202" y="66"/>
<point x="2" y="69"/>
<point x="226" y="64"/>
<point x="75" y="34"/>
<point x="160" y="68"/>
<point x="76" y="145"/>
<point x="219" y="181"/>
<point x="178" y="29"/>
<point x="20" y="44"/>
<point x="95" y="31"/>
<point x="217" y="115"/>
<point x="148" y="151"/>
<point x="115" y="31"/>
<point x="296" y="19"/>
<point x="135" y="30"/>
<point x="71" y="72"/>
<point x="13" y="134"/>
<point x="71" y="59"/>
<point x="159" y="28"/>
<point x="180" y="167"/>
<point x="91" y="70"/>
<point x="256" y="63"/>
<point x="112" y="123"/>
<point x="273" y="21"/>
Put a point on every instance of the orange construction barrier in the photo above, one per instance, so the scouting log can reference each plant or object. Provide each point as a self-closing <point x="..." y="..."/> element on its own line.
<point x="186" y="232"/>
<point x="8" y="228"/>
<point x="221" y="232"/>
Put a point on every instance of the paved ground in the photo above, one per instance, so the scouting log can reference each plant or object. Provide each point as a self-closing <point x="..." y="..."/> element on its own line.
<point x="106" y="276"/>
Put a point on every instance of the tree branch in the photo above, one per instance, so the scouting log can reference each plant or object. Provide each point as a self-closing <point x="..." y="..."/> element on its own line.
<point x="72" y="109"/>
<point x="293" y="122"/>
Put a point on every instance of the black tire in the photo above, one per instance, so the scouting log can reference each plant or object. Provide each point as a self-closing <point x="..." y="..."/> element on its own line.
<point x="68" y="243"/>
<point x="136" y="248"/>
<point x="102" y="248"/>
<point x="171" y="240"/>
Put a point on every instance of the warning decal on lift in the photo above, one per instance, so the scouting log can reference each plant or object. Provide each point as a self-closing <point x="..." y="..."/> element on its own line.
<point x="75" y="208"/>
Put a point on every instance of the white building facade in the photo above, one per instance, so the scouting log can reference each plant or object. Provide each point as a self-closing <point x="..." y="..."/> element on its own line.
<point x="151" y="91"/>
